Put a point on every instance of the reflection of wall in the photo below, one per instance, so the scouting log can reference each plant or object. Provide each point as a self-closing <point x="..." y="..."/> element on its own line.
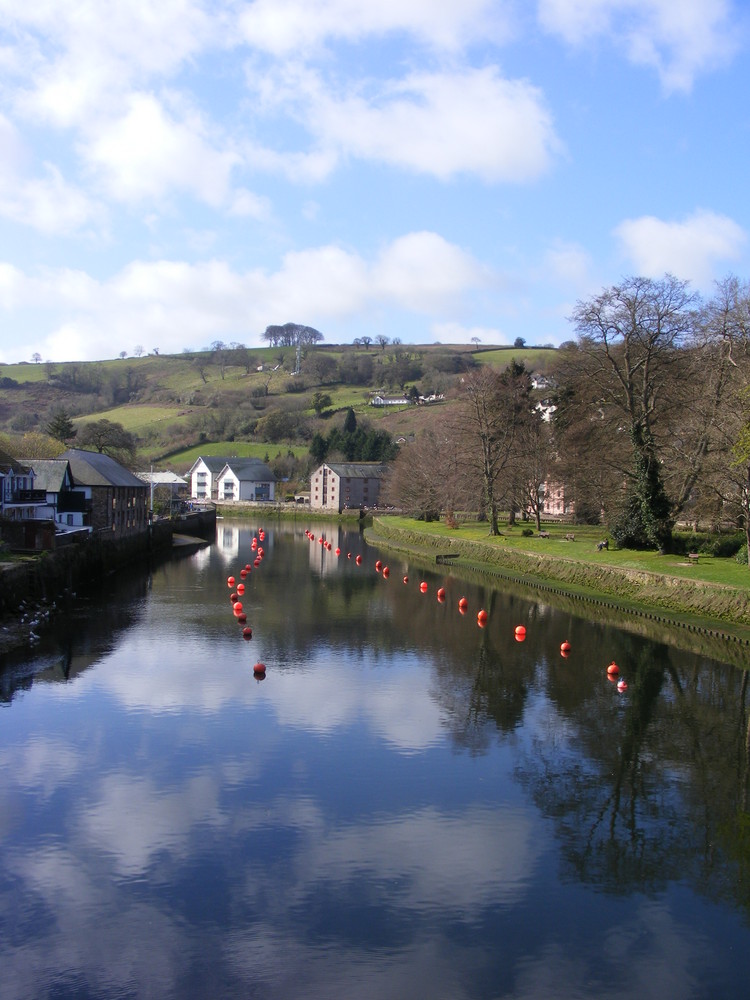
<point x="227" y="540"/>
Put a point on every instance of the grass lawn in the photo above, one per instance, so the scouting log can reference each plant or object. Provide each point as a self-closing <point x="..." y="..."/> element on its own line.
<point x="583" y="549"/>
<point x="239" y="449"/>
<point x="137" y="419"/>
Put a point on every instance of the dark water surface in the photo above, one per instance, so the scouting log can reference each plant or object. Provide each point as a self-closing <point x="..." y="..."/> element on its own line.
<point x="406" y="806"/>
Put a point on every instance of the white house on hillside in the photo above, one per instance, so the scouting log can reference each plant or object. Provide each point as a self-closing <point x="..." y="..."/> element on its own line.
<point x="245" y="479"/>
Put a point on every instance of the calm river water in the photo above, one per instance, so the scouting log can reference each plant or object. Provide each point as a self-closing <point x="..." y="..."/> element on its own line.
<point x="407" y="805"/>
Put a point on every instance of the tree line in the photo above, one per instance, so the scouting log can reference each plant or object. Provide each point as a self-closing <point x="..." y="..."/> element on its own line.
<point x="648" y="423"/>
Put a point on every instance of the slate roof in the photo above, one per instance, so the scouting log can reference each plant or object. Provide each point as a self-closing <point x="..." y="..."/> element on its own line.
<point x="249" y="470"/>
<point x="90" y="468"/>
<point x="10" y="464"/>
<point x="214" y="463"/>
<point x="358" y="470"/>
<point x="49" y="473"/>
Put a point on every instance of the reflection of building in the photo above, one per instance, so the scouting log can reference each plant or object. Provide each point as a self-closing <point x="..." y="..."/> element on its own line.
<point x="346" y="484"/>
<point x="227" y="540"/>
<point x="245" y="479"/>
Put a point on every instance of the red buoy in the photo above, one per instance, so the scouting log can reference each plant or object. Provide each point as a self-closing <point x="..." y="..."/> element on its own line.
<point x="406" y="579"/>
<point x="565" y="647"/>
<point x="463" y="604"/>
<point x="386" y="572"/>
<point x="259" y="670"/>
<point x="338" y="551"/>
<point x="358" y="560"/>
<point x="441" y="593"/>
<point x="423" y="587"/>
<point x="520" y="630"/>
<point x="378" y="565"/>
<point x="230" y="581"/>
<point x="622" y="685"/>
<point x="241" y="617"/>
<point x="233" y="597"/>
<point x="482" y="616"/>
<point x="237" y="605"/>
<point x="613" y="668"/>
<point x="247" y="632"/>
<point x="240" y="588"/>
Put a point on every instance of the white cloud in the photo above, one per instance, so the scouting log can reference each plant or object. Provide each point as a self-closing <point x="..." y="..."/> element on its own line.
<point x="425" y="273"/>
<point x="283" y="26"/>
<point x="679" y="40"/>
<point x="470" y="121"/>
<point x="690" y="249"/>
<point x="174" y="304"/>
<point x="148" y="154"/>
<point x="82" y="54"/>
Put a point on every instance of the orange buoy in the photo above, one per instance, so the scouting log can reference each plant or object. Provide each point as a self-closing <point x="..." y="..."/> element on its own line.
<point x="441" y="594"/>
<point x="622" y="685"/>
<point x="463" y="604"/>
<point x="386" y="572"/>
<point x="423" y="587"/>
<point x="613" y="668"/>
<point x="247" y="632"/>
<point x="565" y="647"/>
<point x="482" y="616"/>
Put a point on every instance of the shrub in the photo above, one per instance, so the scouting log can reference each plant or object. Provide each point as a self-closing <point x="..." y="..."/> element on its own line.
<point x="741" y="555"/>
<point x="527" y="532"/>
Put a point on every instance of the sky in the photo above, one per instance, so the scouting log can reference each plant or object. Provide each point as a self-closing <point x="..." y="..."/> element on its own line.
<point x="175" y="173"/>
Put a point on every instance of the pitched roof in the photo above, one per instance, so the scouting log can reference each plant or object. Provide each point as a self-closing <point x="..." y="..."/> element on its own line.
<point x="10" y="464"/>
<point x="358" y="470"/>
<point x="49" y="473"/>
<point x="250" y="470"/>
<point x="90" y="468"/>
<point x="162" y="478"/>
<point x="214" y="463"/>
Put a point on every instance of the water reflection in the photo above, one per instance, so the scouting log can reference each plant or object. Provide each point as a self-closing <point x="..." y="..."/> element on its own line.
<point x="408" y="804"/>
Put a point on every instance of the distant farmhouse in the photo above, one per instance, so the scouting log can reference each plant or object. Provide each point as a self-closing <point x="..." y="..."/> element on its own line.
<point x="339" y="485"/>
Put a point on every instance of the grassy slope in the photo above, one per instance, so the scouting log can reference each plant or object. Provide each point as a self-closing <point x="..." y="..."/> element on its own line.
<point x="175" y="395"/>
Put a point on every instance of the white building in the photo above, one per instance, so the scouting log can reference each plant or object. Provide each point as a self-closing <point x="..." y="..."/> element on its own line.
<point x="203" y="475"/>
<point x="245" y="479"/>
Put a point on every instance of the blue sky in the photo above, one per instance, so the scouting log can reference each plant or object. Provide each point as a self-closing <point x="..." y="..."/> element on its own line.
<point x="178" y="172"/>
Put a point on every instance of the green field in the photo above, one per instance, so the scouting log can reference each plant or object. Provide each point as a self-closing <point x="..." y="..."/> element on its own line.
<point x="239" y="449"/>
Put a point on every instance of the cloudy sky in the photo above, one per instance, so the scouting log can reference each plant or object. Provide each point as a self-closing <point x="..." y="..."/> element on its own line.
<point x="176" y="172"/>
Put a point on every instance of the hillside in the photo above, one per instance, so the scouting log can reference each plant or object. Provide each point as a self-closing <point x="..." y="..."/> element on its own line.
<point x="240" y="400"/>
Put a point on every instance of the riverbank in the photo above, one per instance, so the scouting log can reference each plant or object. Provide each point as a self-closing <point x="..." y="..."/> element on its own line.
<point x="714" y="609"/>
<point x="36" y="587"/>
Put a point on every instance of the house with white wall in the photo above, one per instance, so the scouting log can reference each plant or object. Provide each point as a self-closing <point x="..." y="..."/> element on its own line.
<point x="203" y="475"/>
<point x="246" y="479"/>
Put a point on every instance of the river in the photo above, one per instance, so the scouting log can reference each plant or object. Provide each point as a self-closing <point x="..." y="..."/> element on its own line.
<point x="403" y="804"/>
